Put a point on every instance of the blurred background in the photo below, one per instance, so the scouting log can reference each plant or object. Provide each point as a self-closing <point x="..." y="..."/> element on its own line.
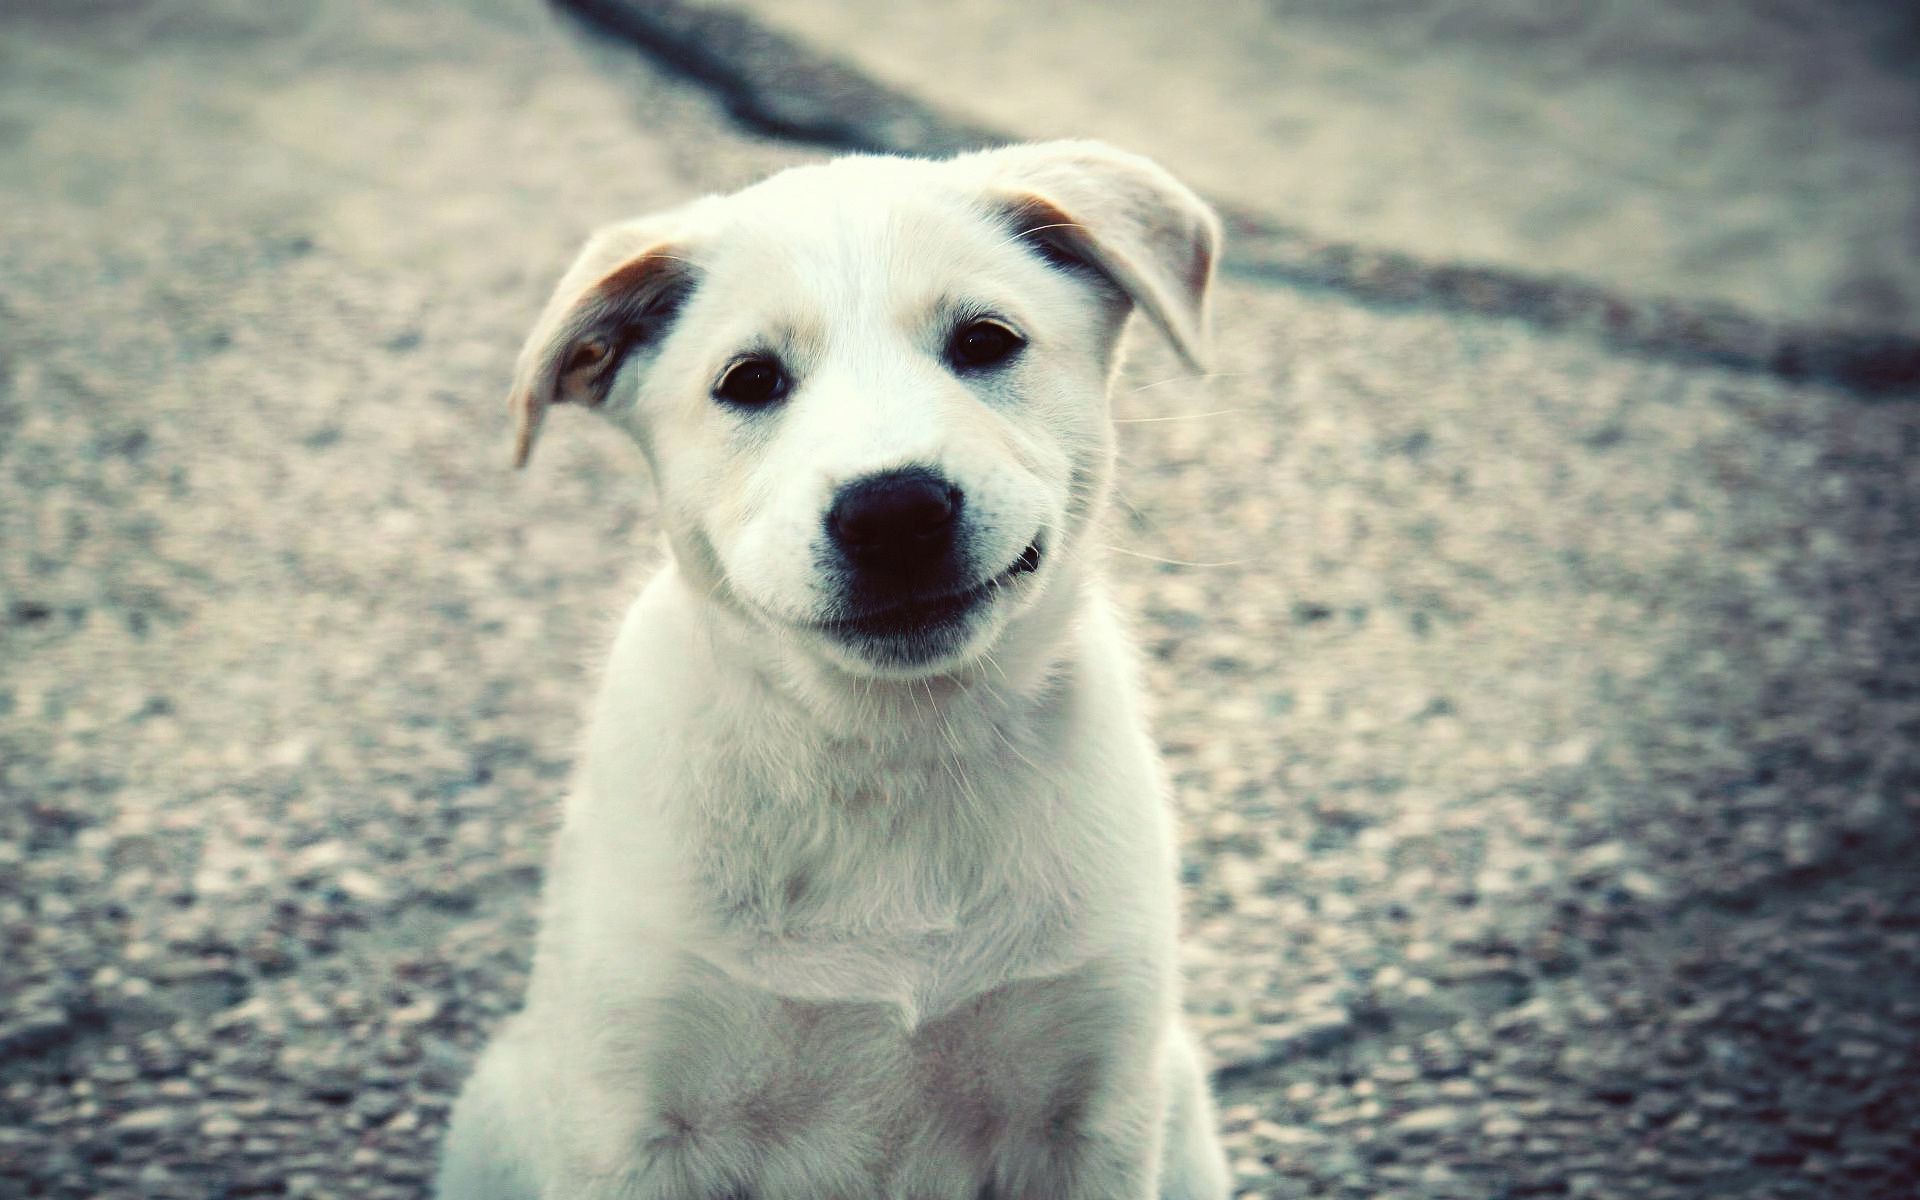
<point x="1531" y="596"/>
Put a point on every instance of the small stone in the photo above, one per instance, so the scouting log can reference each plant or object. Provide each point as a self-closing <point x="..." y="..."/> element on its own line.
<point x="1642" y="886"/>
<point x="1598" y="861"/>
<point x="1502" y="1125"/>
<point x="361" y="886"/>
<point x="377" y="1104"/>
<point x="1248" y="1167"/>
<point x="33" y="1032"/>
<point x="145" y="1124"/>
<point x="332" y="1086"/>
<point x="1659" y="1106"/>
<point x="1614" y="1091"/>
<point x="1424" y="1123"/>
<point x="318" y="859"/>
<point x="221" y="1126"/>
<point x="1313" y="1034"/>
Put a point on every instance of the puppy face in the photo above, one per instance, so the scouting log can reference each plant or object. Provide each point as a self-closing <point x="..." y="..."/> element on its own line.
<point x="873" y="393"/>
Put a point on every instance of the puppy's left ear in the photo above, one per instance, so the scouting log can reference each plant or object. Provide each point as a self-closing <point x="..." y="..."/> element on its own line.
<point x="625" y="284"/>
<point x="1086" y="204"/>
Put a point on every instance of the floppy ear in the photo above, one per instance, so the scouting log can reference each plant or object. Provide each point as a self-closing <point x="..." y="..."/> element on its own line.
<point x="626" y="283"/>
<point x="1089" y="205"/>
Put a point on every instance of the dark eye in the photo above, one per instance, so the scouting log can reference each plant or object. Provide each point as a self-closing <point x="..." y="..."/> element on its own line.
<point x="982" y="344"/>
<point x="753" y="382"/>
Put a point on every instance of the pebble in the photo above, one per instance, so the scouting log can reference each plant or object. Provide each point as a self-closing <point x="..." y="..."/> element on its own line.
<point x="146" y="1124"/>
<point x="32" y="1032"/>
<point x="221" y="1126"/>
<point x="1424" y="1123"/>
<point x="1502" y="1125"/>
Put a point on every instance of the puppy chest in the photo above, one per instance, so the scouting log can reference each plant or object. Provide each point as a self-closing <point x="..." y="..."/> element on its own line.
<point x="903" y="901"/>
<point x="775" y="1097"/>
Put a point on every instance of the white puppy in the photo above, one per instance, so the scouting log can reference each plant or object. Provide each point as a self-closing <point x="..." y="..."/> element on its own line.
<point x="866" y="884"/>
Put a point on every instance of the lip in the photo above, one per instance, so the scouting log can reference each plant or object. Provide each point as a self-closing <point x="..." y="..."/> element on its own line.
<point x="931" y="613"/>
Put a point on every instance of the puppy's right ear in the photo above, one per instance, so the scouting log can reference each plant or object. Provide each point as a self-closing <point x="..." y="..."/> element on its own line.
<point x="619" y="293"/>
<point x="1121" y="215"/>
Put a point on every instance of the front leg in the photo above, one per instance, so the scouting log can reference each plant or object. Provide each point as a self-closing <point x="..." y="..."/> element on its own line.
<point x="1193" y="1165"/>
<point x="1160" y="1140"/>
<point x="1061" y="1084"/>
<point x="1110" y="1150"/>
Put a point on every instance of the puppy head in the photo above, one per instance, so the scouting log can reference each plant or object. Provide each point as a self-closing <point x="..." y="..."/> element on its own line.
<point x="873" y="393"/>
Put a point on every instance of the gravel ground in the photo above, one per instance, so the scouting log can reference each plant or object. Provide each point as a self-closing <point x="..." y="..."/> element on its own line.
<point x="1546" y="722"/>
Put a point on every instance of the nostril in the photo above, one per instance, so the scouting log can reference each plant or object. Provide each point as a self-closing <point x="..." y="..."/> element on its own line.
<point x="893" y="509"/>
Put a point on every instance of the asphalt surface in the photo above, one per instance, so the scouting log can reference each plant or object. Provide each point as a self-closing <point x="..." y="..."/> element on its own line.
<point x="1760" y="153"/>
<point x="1545" y="721"/>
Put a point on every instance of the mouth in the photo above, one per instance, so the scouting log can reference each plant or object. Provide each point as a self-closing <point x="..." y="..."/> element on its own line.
<point x="929" y="613"/>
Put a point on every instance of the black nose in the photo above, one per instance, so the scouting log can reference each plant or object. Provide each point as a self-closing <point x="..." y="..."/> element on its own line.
<point x="902" y="519"/>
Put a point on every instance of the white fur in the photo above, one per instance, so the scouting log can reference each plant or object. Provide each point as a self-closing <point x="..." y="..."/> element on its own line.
<point x="821" y="924"/>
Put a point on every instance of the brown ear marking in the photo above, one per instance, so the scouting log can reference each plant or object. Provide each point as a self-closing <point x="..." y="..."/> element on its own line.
<point x="576" y="350"/>
<point x="1033" y="214"/>
<point x="1052" y="232"/>
<point x="1135" y="255"/>
<point x="634" y="274"/>
<point x="1200" y="269"/>
<point x="585" y="355"/>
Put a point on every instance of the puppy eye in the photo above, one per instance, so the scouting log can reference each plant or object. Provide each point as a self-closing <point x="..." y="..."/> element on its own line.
<point x="982" y="344"/>
<point x="753" y="382"/>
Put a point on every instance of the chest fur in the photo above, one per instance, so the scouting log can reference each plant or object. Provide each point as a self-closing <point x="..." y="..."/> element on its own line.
<point x="752" y="1091"/>
<point x="910" y="874"/>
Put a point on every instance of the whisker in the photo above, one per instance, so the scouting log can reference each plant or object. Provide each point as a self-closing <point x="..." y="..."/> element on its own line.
<point x="1026" y="233"/>
<point x="1178" y="562"/>
<point x="1049" y="527"/>
<point x="1014" y="750"/>
<point x="998" y="669"/>
<point x="1190" y="379"/>
<point x="1218" y="412"/>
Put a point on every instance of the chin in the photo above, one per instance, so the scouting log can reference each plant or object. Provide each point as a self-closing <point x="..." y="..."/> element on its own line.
<point x="931" y="648"/>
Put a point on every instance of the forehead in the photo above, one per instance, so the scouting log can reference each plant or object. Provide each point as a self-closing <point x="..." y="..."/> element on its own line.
<point x="858" y="235"/>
